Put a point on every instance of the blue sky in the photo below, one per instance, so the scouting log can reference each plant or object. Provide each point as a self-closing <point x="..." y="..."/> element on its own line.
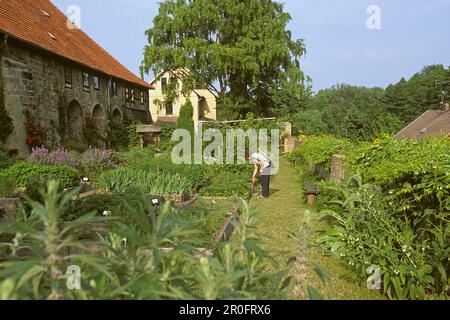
<point x="340" y="47"/>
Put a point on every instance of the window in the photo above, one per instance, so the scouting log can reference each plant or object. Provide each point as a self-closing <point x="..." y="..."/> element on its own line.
<point x="163" y="82"/>
<point x="27" y="75"/>
<point x="114" y="88"/>
<point x="132" y="96"/>
<point x="68" y="77"/>
<point x="86" y="82"/>
<point x="142" y="97"/>
<point x="169" y="109"/>
<point x="96" y="83"/>
<point x="127" y="95"/>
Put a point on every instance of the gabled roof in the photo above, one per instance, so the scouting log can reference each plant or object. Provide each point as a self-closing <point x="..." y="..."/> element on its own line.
<point x="180" y="73"/>
<point x="431" y="123"/>
<point x="43" y="25"/>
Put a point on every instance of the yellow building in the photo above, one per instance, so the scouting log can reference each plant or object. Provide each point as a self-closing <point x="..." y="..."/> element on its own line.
<point x="203" y="100"/>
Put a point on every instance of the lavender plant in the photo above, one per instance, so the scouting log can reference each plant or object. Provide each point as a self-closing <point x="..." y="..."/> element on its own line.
<point x="60" y="157"/>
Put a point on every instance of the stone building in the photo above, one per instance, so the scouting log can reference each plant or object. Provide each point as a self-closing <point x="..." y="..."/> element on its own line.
<point x="203" y="100"/>
<point x="57" y="77"/>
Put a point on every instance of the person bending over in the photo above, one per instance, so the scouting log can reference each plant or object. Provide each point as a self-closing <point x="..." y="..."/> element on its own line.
<point x="262" y="165"/>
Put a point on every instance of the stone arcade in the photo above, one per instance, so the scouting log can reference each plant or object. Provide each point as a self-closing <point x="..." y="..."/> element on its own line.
<point x="60" y="78"/>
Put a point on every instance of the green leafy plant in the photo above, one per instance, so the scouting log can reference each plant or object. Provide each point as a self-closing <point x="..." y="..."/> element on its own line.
<point x="148" y="257"/>
<point x="122" y="179"/>
<point x="23" y="171"/>
<point x="7" y="186"/>
<point x="366" y="230"/>
<point x="43" y="241"/>
<point x="6" y="124"/>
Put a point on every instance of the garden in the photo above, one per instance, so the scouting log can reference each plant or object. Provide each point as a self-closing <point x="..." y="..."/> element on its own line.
<point x="391" y="212"/>
<point x="137" y="225"/>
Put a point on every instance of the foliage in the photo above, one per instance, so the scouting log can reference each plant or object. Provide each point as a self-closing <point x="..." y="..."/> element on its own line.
<point x="23" y="171"/>
<point x="166" y="132"/>
<point x="242" y="50"/>
<point x="137" y="269"/>
<point x="227" y="184"/>
<point x="36" y="134"/>
<point x="60" y="157"/>
<point x="319" y="150"/>
<point x="7" y="186"/>
<point x="90" y="163"/>
<point x="309" y="122"/>
<point x="197" y="175"/>
<point x="118" y="136"/>
<point x="360" y="113"/>
<point x="94" y="161"/>
<point x="6" y="124"/>
<point x="393" y="161"/>
<point x="408" y="99"/>
<point x="121" y="180"/>
<point x="5" y="159"/>
<point x="185" y="119"/>
<point x="356" y="113"/>
<point x="91" y="133"/>
<point x="411" y="248"/>
<point x="44" y="241"/>
<point x="133" y="137"/>
<point x="398" y="220"/>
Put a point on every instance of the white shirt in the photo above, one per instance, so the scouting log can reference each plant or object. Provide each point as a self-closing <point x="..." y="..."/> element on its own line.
<point x="260" y="160"/>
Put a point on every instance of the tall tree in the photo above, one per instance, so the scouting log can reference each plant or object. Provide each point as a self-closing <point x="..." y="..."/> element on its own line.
<point x="241" y="49"/>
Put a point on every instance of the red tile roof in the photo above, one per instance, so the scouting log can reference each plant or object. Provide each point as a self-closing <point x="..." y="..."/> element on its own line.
<point x="27" y="20"/>
<point x="431" y="123"/>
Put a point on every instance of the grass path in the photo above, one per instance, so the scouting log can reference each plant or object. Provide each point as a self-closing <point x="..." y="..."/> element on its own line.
<point x="280" y="215"/>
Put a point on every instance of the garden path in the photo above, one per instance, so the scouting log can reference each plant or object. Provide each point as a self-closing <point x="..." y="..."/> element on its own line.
<point x="281" y="215"/>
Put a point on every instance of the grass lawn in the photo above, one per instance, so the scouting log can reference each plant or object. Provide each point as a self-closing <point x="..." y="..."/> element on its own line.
<point x="280" y="215"/>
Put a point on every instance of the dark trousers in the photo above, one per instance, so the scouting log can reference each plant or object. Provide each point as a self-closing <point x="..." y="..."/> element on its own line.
<point x="265" y="182"/>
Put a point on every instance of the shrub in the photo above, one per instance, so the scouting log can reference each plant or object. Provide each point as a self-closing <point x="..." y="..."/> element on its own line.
<point x="94" y="161"/>
<point x="36" y="134"/>
<point x="319" y="150"/>
<point x="7" y="186"/>
<point x="398" y="222"/>
<point x="60" y="157"/>
<point x="227" y="184"/>
<point x="118" y="136"/>
<point x="412" y="252"/>
<point x="5" y="160"/>
<point x="134" y="138"/>
<point x="185" y="119"/>
<point x="91" y="133"/>
<point x="23" y="171"/>
<point x="90" y="163"/>
<point x="6" y="124"/>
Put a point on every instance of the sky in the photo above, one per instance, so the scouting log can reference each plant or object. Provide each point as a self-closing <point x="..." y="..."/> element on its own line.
<point x="340" y="47"/>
